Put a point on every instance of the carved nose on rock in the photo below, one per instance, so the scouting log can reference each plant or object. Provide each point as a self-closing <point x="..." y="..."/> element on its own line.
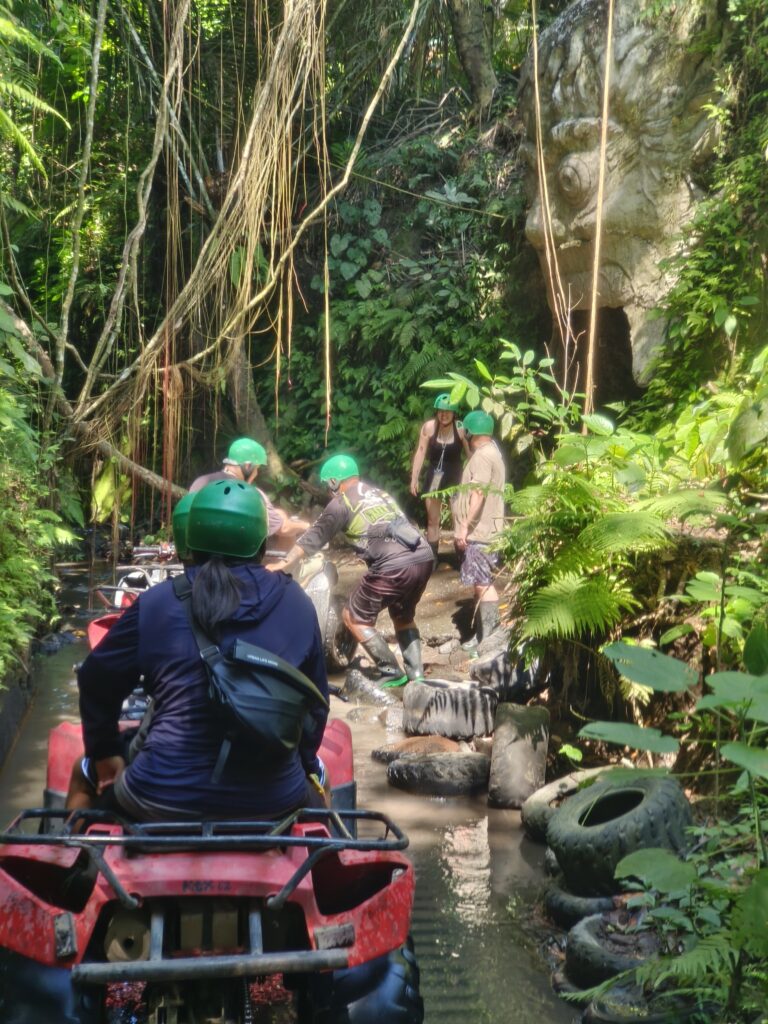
<point x="534" y="228"/>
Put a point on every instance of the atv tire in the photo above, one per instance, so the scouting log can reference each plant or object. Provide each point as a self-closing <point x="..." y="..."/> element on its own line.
<point x="338" y="645"/>
<point x="384" y="991"/>
<point x="595" y="828"/>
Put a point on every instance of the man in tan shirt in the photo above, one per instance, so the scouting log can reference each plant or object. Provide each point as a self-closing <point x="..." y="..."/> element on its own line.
<point x="480" y="518"/>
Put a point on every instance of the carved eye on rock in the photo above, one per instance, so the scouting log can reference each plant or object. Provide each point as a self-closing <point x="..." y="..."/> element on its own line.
<point x="574" y="180"/>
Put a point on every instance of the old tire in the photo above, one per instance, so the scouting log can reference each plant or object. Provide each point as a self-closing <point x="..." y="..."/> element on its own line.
<point x="589" y="959"/>
<point x="384" y="991"/>
<point x="595" y="828"/>
<point x="538" y="809"/>
<point x="339" y="645"/>
<point x="566" y="910"/>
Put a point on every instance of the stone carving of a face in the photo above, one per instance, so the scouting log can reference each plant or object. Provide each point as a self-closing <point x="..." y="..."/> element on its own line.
<point x="658" y="130"/>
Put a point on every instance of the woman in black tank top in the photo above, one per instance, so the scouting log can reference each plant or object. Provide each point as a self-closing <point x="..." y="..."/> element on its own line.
<point x="442" y="445"/>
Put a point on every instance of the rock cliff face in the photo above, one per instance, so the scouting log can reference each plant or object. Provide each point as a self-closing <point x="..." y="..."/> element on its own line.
<point x="661" y="79"/>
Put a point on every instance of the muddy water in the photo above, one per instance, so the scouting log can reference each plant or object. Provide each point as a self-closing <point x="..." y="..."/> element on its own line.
<point x="477" y="876"/>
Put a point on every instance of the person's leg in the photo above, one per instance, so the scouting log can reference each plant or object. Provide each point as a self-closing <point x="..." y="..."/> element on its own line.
<point x="487" y="599"/>
<point x="81" y="794"/>
<point x="411" y="585"/>
<point x="433" y="523"/>
<point x="477" y="570"/>
<point x="359" y="616"/>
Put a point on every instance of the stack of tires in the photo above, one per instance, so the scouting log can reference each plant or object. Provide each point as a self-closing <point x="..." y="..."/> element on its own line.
<point x="590" y="831"/>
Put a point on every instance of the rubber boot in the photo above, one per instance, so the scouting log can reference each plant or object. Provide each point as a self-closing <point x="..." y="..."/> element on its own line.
<point x="390" y="673"/>
<point x="487" y="619"/>
<point x="410" y="645"/>
<point x="434" y="545"/>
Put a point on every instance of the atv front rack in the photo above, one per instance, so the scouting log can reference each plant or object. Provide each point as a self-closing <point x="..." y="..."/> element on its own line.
<point x="206" y="836"/>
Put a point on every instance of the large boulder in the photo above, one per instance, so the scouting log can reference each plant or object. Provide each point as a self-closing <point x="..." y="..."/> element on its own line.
<point x="440" y="774"/>
<point x="519" y="757"/>
<point x="440" y="707"/>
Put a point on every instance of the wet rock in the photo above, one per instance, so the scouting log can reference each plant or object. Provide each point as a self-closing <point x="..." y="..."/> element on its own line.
<point x="450" y="645"/>
<point x="361" y="688"/>
<point x="519" y="758"/>
<point x="440" y="774"/>
<point x="392" y="718"/>
<point x="483" y="745"/>
<point x="460" y="711"/>
<point x="415" y="745"/>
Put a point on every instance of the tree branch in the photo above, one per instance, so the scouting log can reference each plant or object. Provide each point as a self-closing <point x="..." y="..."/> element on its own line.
<point x="82" y="430"/>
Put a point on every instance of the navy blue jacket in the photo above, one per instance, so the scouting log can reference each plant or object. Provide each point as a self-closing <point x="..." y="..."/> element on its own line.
<point x="153" y="639"/>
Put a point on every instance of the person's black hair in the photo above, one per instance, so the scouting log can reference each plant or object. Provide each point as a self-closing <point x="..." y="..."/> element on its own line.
<point x="217" y="592"/>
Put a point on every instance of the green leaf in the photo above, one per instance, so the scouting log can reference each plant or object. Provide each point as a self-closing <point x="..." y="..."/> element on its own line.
<point x="18" y="351"/>
<point x="683" y="629"/>
<point x="363" y="287"/>
<point x="755" y="656"/>
<point x="598" y="424"/>
<point x="235" y="266"/>
<point x="483" y="370"/>
<point x="627" y="735"/>
<point x="572" y="753"/>
<point x="753" y="759"/>
<point x="339" y="243"/>
<point x="747" y="695"/>
<point x="750" y="916"/>
<point x="348" y="270"/>
<point x="749" y="428"/>
<point x="568" y="455"/>
<point x="650" y="668"/>
<point x="657" y="869"/>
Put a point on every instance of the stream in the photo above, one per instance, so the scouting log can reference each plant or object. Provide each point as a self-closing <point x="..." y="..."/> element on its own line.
<point x="477" y="875"/>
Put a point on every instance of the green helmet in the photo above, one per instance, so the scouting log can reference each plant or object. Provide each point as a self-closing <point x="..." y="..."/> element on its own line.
<point x="179" y="525"/>
<point x="338" y="468"/>
<point x="478" y="422"/>
<point x="443" y="403"/>
<point x="227" y="518"/>
<point x="246" y="452"/>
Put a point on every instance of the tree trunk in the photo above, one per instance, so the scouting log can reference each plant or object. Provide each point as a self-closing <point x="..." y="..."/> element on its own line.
<point x="473" y="47"/>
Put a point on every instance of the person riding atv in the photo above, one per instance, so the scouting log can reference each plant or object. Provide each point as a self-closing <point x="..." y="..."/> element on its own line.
<point x="243" y="461"/>
<point x="398" y="557"/>
<point x="170" y="767"/>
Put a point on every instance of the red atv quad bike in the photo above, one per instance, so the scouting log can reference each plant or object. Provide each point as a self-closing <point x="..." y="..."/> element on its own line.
<point x="106" y="921"/>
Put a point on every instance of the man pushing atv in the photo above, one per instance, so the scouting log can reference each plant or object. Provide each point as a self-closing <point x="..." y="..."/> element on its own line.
<point x="398" y="558"/>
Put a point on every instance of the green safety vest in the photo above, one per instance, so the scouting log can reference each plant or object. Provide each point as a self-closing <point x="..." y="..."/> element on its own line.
<point x="375" y="508"/>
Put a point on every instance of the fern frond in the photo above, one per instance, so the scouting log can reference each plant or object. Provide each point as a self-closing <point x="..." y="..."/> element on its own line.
<point x="407" y="333"/>
<point x="16" y="206"/>
<point x="11" y="32"/>
<point x="624" y="531"/>
<point x="395" y="427"/>
<point x="28" y="98"/>
<point x="10" y="129"/>
<point x="711" y="960"/>
<point x="575" y="604"/>
<point x="683" y="503"/>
